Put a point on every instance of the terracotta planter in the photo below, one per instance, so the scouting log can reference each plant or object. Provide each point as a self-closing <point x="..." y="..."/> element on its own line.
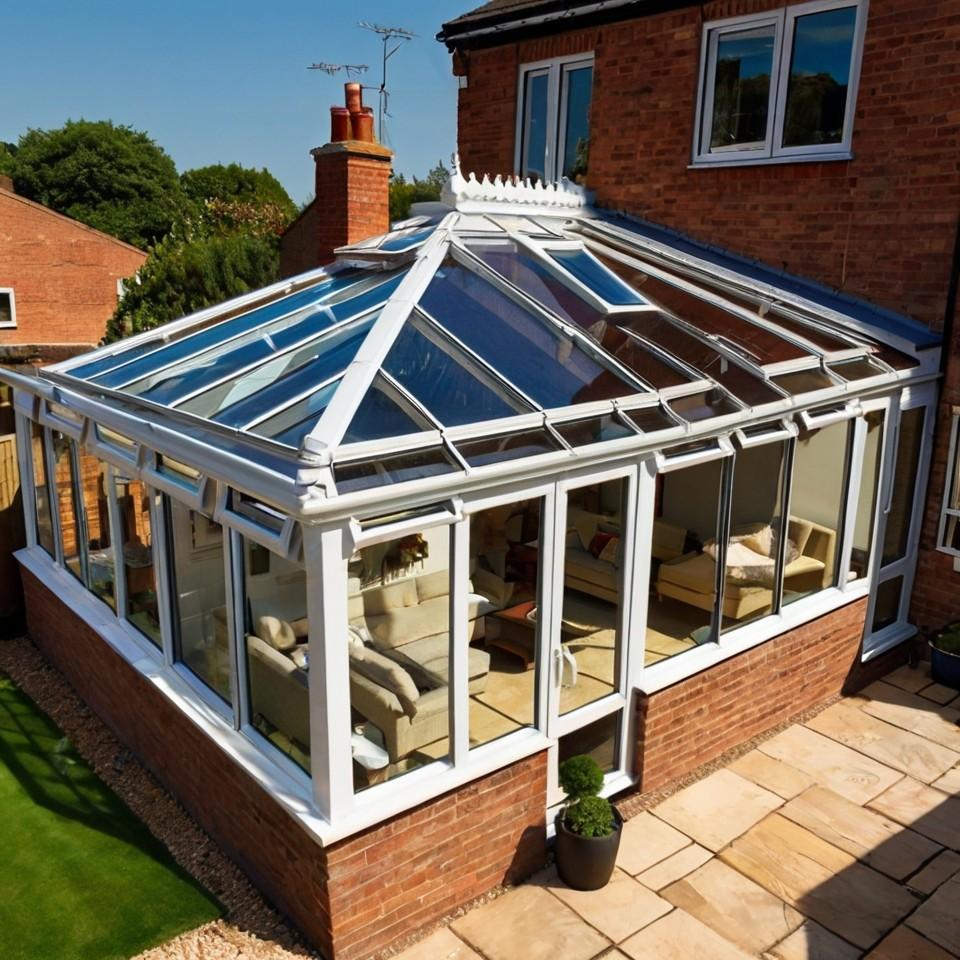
<point x="586" y="863"/>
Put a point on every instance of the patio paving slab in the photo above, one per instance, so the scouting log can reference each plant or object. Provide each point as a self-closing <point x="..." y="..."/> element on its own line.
<point x="646" y="841"/>
<point x="885" y="742"/>
<point x="442" y="944"/>
<point x="904" y="944"/>
<point x="823" y="882"/>
<point x="619" y="909"/>
<point x="675" y="867"/>
<point x="773" y="775"/>
<point x="937" y="871"/>
<point x="872" y="838"/>
<point x="924" y="809"/>
<point x="738" y="909"/>
<point x="810" y="941"/>
<point x="528" y="924"/>
<point x="831" y="764"/>
<point x="949" y="782"/>
<point x="718" y="808"/>
<point x="678" y="936"/>
<point x="913" y="713"/>
<point x="938" y="918"/>
<point x="938" y="693"/>
<point x="910" y="678"/>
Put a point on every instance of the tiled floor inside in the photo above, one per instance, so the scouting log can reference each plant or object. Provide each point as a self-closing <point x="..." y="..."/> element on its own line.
<point x="836" y="839"/>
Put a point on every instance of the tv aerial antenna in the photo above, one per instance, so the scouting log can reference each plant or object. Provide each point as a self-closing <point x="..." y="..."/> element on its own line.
<point x="351" y="69"/>
<point x="397" y="36"/>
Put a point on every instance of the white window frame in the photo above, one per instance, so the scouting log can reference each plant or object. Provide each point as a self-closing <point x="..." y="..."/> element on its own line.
<point x="12" y="322"/>
<point x="953" y="473"/>
<point x="556" y="70"/>
<point x="772" y="149"/>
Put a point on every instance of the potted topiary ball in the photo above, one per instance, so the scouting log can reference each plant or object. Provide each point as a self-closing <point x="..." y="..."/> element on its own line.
<point x="588" y="827"/>
<point x="945" y="656"/>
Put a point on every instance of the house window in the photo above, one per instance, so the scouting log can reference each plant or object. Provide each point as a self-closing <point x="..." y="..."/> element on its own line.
<point x="8" y="308"/>
<point x="41" y="489"/>
<point x="553" y="119"/>
<point x="949" y="540"/>
<point x="137" y="556"/>
<point x="780" y="85"/>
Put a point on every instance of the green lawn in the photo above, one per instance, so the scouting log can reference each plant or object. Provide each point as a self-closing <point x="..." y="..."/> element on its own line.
<point x="81" y="878"/>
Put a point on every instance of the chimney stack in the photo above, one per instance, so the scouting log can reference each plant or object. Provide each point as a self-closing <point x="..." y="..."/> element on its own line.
<point x="352" y="199"/>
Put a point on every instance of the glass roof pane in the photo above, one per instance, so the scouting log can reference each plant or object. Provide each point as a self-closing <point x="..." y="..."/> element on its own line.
<point x="291" y="425"/>
<point x="756" y="342"/>
<point x="581" y="433"/>
<point x="804" y="381"/>
<point x="414" y="465"/>
<point x="441" y="378"/>
<point x="643" y="361"/>
<point x="216" y="333"/>
<point x="540" y="360"/>
<point x="591" y="273"/>
<point x="406" y="241"/>
<point x="380" y="415"/>
<point x="894" y="358"/>
<point x="650" y="419"/>
<point x="510" y="446"/>
<point x="703" y="406"/>
<point x="856" y="369"/>
<point x="274" y="385"/>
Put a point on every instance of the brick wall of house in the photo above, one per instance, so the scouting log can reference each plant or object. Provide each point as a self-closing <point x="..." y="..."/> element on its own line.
<point x="64" y="274"/>
<point x="879" y="226"/>
<point x="694" y="721"/>
<point x="356" y="896"/>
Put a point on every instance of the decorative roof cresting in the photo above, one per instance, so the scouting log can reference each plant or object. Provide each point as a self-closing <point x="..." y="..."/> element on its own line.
<point x="470" y="195"/>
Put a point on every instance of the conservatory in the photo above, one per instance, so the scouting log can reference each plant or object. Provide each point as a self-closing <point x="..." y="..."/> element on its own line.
<point x="459" y="497"/>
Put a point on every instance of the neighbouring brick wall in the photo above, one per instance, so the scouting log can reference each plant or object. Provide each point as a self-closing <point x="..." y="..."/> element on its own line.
<point x="64" y="274"/>
<point x="697" y="719"/>
<point x="879" y="226"/>
<point x="354" y="897"/>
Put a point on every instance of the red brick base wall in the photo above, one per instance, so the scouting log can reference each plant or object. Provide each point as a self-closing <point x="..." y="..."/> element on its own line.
<point x="352" y="898"/>
<point x="697" y="719"/>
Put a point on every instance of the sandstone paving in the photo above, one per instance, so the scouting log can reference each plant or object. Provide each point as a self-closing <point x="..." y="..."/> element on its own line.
<point x="718" y="808"/>
<point x="938" y="918"/>
<point x="529" y="924"/>
<point x="810" y="941"/>
<point x="774" y="775"/>
<point x="847" y="772"/>
<point x="820" y="880"/>
<point x="623" y="907"/>
<point x="679" y="936"/>
<point x="442" y="944"/>
<point x="949" y="782"/>
<point x="646" y="841"/>
<point x="872" y="838"/>
<point x="738" y="909"/>
<point x="937" y="871"/>
<point x="904" y="944"/>
<point x="889" y="744"/>
<point x="909" y="678"/>
<point x="938" y="693"/>
<point x="675" y="867"/>
<point x="923" y="809"/>
<point x="911" y="712"/>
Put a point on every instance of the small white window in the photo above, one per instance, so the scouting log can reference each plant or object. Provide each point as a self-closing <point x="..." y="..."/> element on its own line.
<point x="780" y="85"/>
<point x="553" y="119"/>
<point x="949" y="539"/>
<point x="8" y="308"/>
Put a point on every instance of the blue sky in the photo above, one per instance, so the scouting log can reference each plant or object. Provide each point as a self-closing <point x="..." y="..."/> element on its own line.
<point x="218" y="82"/>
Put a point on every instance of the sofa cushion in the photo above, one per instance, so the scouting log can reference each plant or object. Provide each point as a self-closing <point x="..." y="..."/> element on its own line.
<point x="388" y="674"/>
<point x="431" y="657"/>
<point x="278" y="633"/>
<point x="799" y="532"/>
<point x="390" y="597"/>
<point x="433" y="585"/>
<point x="497" y="590"/>
<point x="584" y="566"/>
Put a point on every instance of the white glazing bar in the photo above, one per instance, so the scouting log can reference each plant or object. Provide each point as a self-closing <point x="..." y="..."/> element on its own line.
<point x="116" y="540"/>
<point x="459" y="708"/>
<point x="163" y="574"/>
<point x="231" y="587"/>
<point x="53" y="495"/>
<point x="28" y="492"/>
<point x="238" y="598"/>
<point x="855" y="450"/>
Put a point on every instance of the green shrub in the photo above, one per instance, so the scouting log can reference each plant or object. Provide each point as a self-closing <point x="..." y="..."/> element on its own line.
<point x="591" y="817"/>
<point x="949" y="640"/>
<point x="580" y="777"/>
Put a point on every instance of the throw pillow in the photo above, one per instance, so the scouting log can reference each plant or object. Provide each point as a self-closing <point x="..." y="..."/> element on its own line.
<point x="389" y="675"/>
<point x="358" y="636"/>
<point x="611" y="552"/>
<point x="497" y="590"/>
<point x="599" y="542"/>
<point x="278" y="633"/>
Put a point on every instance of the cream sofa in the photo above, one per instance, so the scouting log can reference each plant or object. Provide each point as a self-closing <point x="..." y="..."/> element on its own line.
<point x="692" y="577"/>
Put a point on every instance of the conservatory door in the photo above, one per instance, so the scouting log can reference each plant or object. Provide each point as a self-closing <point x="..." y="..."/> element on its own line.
<point x="589" y="621"/>
<point x="898" y="511"/>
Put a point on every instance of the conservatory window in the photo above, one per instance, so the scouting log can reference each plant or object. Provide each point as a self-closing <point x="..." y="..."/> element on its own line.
<point x="138" y="556"/>
<point x="869" y="491"/>
<point x="198" y="593"/>
<point x="780" y="84"/>
<point x="901" y="503"/>
<point x="950" y="520"/>
<point x="68" y="505"/>
<point x="277" y="650"/>
<point x="96" y="544"/>
<point x="41" y="489"/>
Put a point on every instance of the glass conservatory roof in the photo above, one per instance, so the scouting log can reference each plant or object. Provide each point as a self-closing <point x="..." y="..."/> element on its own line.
<point x="471" y="340"/>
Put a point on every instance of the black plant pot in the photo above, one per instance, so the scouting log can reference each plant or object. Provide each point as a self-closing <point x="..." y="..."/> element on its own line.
<point x="586" y="863"/>
<point x="945" y="667"/>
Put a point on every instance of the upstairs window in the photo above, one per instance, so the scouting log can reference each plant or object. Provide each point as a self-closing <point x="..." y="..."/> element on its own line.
<point x="780" y="85"/>
<point x="949" y="539"/>
<point x="553" y="119"/>
<point x="8" y="310"/>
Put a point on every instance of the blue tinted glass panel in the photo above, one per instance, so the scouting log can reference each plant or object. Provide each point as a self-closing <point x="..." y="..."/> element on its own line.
<point x="511" y="446"/>
<point x="331" y="356"/>
<point x="380" y="416"/>
<point x="213" y="335"/>
<point x="542" y="362"/>
<point x="591" y="273"/>
<point x="406" y="241"/>
<point x="535" y="126"/>
<point x="91" y="369"/>
<point x="294" y="423"/>
<point x="576" y="139"/>
<point x="440" y="379"/>
<point x="415" y="465"/>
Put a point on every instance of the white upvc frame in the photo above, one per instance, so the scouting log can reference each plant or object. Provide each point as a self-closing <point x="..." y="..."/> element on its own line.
<point x="949" y="513"/>
<point x="11" y="296"/>
<point x="556" y="70"/>
<point x="772" y="150"/>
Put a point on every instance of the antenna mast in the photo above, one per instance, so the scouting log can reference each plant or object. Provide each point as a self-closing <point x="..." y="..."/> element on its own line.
<point x="387" y="35"/>
<point x="351" y="69"/>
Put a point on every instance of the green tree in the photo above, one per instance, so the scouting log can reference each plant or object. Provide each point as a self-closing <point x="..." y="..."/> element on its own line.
<point x="109" y="176"/>
<point x="7" y="151"/>
<point x="182" y="276"/>
<point x="403" y="193"/>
